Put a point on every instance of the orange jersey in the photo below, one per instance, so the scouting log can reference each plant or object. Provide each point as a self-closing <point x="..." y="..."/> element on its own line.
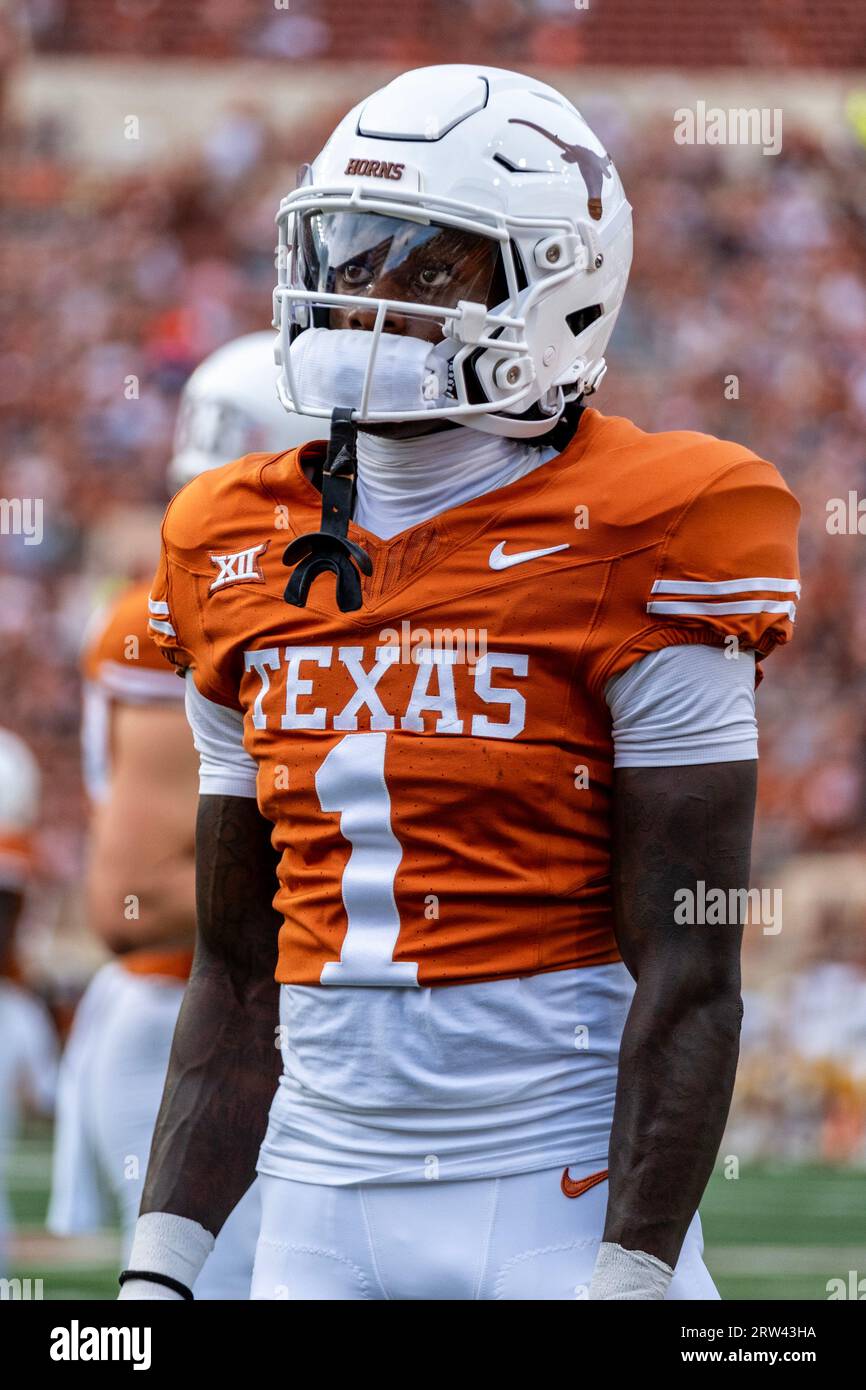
<point x="447" y="819"/>
<point x="119" y="665"/>
<point x="156" y="961"/>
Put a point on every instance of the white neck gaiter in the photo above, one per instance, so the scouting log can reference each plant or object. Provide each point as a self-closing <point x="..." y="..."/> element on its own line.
<point x="402" y="482"/>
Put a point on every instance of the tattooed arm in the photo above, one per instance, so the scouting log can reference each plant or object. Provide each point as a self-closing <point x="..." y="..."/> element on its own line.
<point x="674" y="826"/>
<point x="224" y="1063"/>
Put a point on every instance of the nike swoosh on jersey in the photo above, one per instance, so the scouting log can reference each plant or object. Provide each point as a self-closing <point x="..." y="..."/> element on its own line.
<point x="575" y="1187"/>
<point x="500" y="561"/>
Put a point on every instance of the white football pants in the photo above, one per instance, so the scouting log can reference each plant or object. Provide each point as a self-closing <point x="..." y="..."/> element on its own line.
<point x="28" y="1074"/>
<point x="516" y="1237"/>
<point x="111" y="1081"/>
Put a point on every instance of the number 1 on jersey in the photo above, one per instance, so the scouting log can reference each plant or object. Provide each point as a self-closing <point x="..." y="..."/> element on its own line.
<point x="351" y="780"/>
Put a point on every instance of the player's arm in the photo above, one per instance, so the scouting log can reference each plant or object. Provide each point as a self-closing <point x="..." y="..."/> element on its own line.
<point x="718" y="595"/>
<point x="142" y="838"/>
<point x="224" y="1061"/>
<point x="674" y="827"/>
<point x="685" y="761"/>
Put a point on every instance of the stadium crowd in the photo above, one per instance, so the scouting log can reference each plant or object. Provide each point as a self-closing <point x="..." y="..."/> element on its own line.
<point x="522" y="34"/>
<point x="746" y="317"/>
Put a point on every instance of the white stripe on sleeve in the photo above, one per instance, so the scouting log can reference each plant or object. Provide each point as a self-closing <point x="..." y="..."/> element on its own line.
<point x="225" y="766"/>
<point x="715" y="610"/>
<point x="757" y="583"/>
<point x="684" y="705"/>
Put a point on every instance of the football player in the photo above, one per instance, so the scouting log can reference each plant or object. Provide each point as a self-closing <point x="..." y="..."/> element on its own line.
<point x="141" y="773"/>
<point x="28" y="1055"/>
<point x="490" y="716"/>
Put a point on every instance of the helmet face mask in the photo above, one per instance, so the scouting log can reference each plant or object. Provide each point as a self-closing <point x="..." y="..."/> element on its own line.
<point x="517" y="279"/>
<point x="487" y="261"/>
<point x="367" y="255"/>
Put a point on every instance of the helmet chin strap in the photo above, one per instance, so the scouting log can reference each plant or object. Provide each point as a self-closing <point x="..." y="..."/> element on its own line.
<point x="508" y="426"/>
<point x="330" y="549"/>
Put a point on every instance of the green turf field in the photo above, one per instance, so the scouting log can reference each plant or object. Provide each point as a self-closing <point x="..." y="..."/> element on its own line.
<point x="783" y="1232"/>
<point x="774" y="1233"/>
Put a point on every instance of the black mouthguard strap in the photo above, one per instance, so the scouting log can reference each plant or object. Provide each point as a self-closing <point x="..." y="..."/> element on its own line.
<point x="330" y="549"/>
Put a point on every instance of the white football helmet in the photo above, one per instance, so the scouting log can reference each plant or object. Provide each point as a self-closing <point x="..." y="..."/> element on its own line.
<point x="478" y="203"/>
<point x="19" y="784"/>
<point x="230" y="407"/>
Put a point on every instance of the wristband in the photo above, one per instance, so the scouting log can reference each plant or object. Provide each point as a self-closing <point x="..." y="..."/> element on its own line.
<point x="628" y="1275"/>
<point x="168" y="1251"/>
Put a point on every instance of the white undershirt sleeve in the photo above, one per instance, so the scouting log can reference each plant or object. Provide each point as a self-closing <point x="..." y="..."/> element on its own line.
<point x="684" y="705"/>
<point x="225" y="766"/>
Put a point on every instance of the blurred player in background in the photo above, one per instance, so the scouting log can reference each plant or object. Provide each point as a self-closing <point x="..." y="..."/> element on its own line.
<point x="28" y="1055"/>
<point x="142" y="777"/>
